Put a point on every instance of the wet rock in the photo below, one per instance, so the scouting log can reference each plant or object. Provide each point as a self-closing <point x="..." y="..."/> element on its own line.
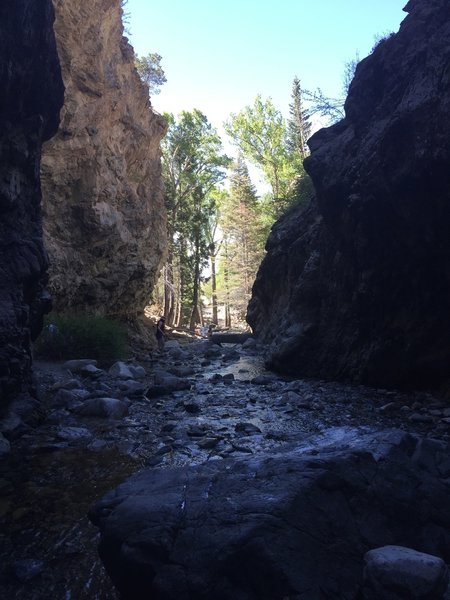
<point x="228" y="377"/>
<point x="103" y="407"/>
<point x="171" y="382"/>
<point x="399" y="573"/>
<point x="73" y="433"/>
<point x="296" y="400"/>
<point x="182" y="370"/>
<point x="208" y="443"/>
<point x="230" y="355"/>
<point x="192" y="407"/>
<point x="177" y="532"/>
<point x="168" y="427"/>
<point x="197" y="431"/>
<point x="247" y="428"/>
<point x="206" y="349"/>
<point x="202" y="389"/>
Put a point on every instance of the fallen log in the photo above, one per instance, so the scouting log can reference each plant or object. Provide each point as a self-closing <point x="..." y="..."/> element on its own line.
<point x="230" y="338"/>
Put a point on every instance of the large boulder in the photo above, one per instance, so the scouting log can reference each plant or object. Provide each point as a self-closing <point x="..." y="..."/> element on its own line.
<point x="30" y="99"/>
<point x="357" y="285"/>
<point x="103" y="208"/>
<point x="294" y="525"/>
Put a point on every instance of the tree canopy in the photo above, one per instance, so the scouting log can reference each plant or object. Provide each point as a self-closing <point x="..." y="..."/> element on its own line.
<point x="151" y="72"/>
<point x="193" y="166"/>
<point x="217" y="222"/>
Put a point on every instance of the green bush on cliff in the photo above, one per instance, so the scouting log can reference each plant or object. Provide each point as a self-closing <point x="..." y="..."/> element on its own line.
<point x="65" y="337"/>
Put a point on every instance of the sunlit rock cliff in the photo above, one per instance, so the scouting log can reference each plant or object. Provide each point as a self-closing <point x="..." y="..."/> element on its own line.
<point x="31" y="95"/>
<point x="357" y="286"/>
<point x="103" y="210"/>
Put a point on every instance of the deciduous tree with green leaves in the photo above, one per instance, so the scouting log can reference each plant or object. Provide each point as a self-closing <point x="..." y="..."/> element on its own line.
<point x="193" y="165"/>
<point x="259" y="132"/>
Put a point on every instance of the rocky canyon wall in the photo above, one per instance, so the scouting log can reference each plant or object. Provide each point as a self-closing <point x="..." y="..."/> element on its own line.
<point x="30" y="98"/>
<point x="103" y="210"/>
<point x="357" y="286"/>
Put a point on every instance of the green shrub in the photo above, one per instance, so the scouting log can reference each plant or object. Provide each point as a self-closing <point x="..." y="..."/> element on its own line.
<point x="65" y="337"/>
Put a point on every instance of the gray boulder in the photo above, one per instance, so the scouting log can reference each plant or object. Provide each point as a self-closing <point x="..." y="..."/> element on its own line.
<point x="294" y="525"/>
<point x="398" y="573"/>
<point x="121" y="370"/>
<point x="67" y="397"/>
<point x="110" y="408"/>
<point x="77" y="365"/>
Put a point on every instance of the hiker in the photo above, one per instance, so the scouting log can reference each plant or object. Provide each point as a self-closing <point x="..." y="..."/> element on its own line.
<point x="160" y="333"/>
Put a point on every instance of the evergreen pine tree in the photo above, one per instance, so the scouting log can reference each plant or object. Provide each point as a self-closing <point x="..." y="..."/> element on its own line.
<point x="243" y="238"/>
<point x="299" y="127"/>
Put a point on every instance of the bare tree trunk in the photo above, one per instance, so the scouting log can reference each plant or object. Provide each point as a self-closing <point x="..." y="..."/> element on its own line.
<point x="168" y="290"/>
<point x="227" y="290"/>
<point x="214" y="289"/>
<point x="195" y="313"/>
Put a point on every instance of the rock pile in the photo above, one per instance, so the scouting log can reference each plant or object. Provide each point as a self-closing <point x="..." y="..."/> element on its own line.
<point x="198" y="404"/>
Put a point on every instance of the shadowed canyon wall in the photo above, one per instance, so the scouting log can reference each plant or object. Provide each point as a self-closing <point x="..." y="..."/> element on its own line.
<point x="30" y="98"/>
<point x="103" y="209"/>
<point x="357" y="286"/>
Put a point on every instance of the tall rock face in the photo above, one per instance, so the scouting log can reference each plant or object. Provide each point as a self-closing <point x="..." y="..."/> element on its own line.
<point x="30" y="98"/>
<point x="103" y="208"/>
<point x="357" y="286"/>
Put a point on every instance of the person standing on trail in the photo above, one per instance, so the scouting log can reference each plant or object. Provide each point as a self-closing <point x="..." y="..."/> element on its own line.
<point x="160" y="333"/>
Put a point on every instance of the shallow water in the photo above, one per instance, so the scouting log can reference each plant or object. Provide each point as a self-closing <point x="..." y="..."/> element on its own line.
<point x="246" y="368"/>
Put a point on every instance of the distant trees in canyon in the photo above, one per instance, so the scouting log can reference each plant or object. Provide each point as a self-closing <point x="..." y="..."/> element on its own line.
<point x="217" y="222"/>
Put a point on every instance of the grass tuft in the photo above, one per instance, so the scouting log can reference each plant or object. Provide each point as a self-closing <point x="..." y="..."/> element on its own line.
<point x="65" y="337"/>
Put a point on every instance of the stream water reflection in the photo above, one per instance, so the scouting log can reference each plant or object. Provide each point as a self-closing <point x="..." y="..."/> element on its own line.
<point x="245" y="368"/>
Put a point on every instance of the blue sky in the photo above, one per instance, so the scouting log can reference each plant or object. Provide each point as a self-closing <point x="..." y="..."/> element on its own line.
<point x="218" y="56"/>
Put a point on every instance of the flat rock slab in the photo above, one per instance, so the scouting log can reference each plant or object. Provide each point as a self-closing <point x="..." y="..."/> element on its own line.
<point x="296" y="524"/>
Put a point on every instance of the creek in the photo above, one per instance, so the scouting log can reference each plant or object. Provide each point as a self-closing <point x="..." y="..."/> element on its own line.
<point x="219" y="402"/>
